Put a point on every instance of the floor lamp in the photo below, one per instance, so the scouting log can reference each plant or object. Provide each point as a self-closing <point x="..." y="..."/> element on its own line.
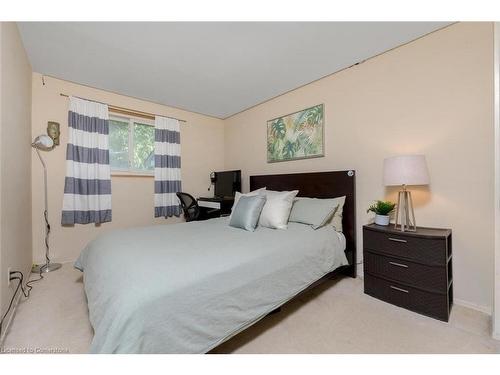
<point x="405" y="170"/>
<point x="45" y="143"/>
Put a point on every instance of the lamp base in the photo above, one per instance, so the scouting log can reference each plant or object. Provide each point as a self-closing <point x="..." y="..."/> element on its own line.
<point x="405" y="217"/>
<point x="46" y="268"/>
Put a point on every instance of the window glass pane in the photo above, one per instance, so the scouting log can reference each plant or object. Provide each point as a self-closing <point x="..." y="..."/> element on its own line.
<point x="144" y="147"/>
<point x="118" y="144"/>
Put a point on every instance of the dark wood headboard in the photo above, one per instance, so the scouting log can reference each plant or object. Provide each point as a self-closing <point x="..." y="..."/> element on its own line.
<point x="320" y="185"/>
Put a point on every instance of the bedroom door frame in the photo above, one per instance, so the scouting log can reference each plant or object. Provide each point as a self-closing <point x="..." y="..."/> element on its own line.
<point x="496" y="287"/>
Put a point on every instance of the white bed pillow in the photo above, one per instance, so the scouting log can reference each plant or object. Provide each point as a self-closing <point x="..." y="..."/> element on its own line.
<point x="277" y="209"/>
<point x="238" y="195"/>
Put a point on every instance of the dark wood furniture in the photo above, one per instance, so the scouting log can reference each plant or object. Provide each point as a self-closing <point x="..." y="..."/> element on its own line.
<point x="322" y="185"/>
<point x="410" y="269"/>
<point x="214" y="207"/>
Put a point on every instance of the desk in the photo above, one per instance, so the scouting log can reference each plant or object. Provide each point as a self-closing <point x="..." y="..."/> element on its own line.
<point x="214" y="207"/>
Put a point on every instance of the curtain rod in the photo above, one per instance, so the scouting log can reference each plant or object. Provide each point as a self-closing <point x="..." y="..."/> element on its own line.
<point x="127" y="111"/>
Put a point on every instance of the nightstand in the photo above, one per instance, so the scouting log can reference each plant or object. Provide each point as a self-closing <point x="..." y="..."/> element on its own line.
<point x="410" y="269"/>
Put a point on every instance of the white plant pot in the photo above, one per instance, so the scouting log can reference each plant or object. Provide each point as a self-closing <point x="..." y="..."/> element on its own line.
<point x="382" y="219"/>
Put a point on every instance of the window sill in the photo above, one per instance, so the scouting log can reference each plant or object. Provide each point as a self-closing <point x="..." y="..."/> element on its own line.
<point x="131" y="174"/>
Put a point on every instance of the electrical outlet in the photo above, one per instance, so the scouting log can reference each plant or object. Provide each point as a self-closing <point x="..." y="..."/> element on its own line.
<point x="8" y="276"/>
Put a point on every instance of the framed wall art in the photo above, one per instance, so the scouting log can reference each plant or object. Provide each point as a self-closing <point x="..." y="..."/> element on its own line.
<point x="299" y="135"/>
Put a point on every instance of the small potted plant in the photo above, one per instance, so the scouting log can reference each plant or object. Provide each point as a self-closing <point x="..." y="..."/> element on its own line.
<point x="382" y="210"/>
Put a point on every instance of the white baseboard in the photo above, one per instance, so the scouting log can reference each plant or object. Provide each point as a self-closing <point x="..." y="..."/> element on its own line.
<point x="53" y="261"/>
<point x="5" y="328"/>
<point x="495" y="335"/>
<point x="473" y="306"/>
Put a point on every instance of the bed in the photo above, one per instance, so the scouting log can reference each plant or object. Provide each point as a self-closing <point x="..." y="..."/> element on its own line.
<point x="188" y="287"/>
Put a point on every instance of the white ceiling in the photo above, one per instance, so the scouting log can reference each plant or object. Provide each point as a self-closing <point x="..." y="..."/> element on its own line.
<point x="215" y="68"/>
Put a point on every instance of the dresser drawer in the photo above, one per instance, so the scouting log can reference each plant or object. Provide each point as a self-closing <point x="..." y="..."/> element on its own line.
<point x="431" y="304"/>
<point x="428" y="251"/>
<point x="432" y="278"/>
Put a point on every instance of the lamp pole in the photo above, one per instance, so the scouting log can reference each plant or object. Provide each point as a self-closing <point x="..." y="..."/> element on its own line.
<point x="48" y="266"/>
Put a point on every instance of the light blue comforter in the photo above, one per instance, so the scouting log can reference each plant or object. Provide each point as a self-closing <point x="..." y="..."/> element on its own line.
<point x="185" y="288"/>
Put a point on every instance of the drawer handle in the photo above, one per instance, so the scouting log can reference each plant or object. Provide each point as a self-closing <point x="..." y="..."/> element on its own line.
<point x="397" y="240"/>
<point x="398" y="264"/>
<point x="399" y="289"/>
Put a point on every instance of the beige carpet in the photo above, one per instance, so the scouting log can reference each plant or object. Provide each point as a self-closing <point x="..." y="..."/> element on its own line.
<point x="334" y="318"/>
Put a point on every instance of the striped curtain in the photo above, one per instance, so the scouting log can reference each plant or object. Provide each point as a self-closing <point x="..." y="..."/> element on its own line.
<point x="167" y="167"/>
<point x="87" y="187"/>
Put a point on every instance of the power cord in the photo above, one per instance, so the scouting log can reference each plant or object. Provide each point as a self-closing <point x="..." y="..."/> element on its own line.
<point x="29" y="287"/>
<point x="26" y="292"/>
<point x="10" y="306"/>
<point x="20" y="277"/>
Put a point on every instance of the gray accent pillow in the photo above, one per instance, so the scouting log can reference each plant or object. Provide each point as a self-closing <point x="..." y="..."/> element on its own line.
<point x="336" y="220"/>
<point x="237" y="196"/>
<point x="247" y="212"/>
<point x="313" y="211"/>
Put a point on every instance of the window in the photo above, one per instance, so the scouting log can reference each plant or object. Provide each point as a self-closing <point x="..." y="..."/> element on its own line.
<point x="131" y="145"/>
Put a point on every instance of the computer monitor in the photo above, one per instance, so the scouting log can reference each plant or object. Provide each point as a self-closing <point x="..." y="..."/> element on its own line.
<point x="227" y="183"/>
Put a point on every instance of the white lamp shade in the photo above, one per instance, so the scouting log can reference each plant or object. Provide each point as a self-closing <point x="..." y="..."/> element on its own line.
<point x="43" y="142"/>
<point x="406" y="170"/>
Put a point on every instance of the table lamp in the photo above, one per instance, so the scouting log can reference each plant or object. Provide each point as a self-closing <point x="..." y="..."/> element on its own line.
<point x="405" y="170"/>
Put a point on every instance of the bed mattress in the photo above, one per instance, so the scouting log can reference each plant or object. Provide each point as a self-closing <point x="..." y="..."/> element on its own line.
<point x="186" y="288"/>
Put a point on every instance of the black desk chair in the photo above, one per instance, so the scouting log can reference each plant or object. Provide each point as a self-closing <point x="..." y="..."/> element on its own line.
<point x="189" y="206"/>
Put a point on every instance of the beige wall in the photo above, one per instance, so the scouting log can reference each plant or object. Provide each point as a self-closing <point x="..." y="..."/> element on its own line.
<point x="15" y="160"/>
<point x="433" y="96"/>
<point x="202" y="152"/>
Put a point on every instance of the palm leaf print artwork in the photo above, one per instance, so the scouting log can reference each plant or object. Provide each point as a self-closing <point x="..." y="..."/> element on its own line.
<point x="296" y="136"/>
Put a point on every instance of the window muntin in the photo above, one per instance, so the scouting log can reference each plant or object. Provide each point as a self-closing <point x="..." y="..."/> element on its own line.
<point x="131" y="145"/>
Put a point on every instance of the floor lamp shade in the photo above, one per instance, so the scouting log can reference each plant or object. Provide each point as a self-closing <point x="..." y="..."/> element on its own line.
<point x="43" y="142"/>
<point x="403" y="171"/>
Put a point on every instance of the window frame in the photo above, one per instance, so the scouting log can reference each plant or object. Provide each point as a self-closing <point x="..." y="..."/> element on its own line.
<point x="131" y="120"/>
